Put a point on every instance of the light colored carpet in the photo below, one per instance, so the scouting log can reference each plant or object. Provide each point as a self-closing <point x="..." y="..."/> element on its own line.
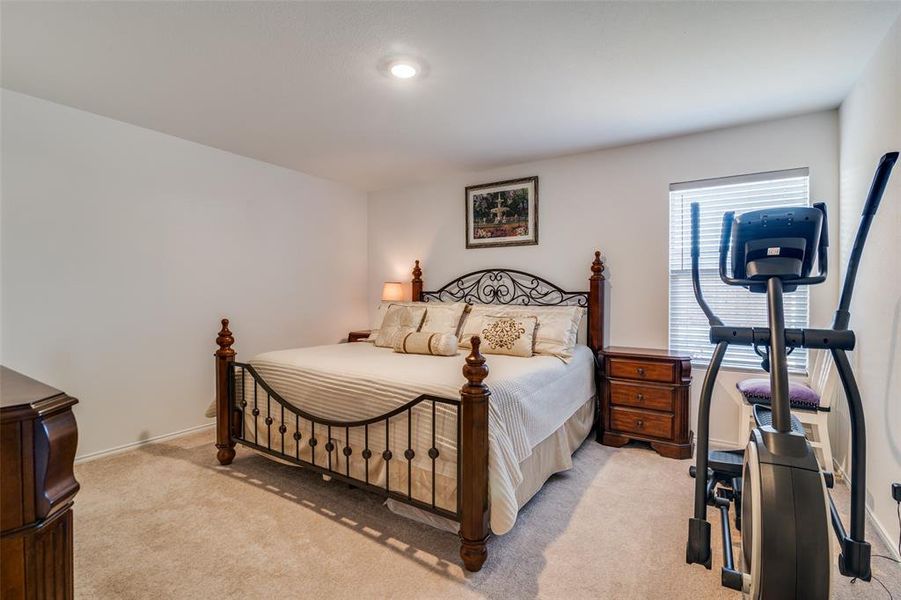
<point x="165" y="521"/>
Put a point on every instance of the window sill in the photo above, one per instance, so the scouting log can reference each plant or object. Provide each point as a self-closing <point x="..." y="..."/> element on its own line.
<point x="749" y="370"/>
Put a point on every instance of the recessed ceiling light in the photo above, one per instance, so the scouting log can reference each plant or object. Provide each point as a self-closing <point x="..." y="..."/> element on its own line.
<point x="403" y="70"/>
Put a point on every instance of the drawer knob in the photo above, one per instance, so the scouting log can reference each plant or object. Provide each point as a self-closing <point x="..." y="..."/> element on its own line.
<point x="639" y="423"/>
<point x="640" y="397"/>
<point x="640" y="371"/>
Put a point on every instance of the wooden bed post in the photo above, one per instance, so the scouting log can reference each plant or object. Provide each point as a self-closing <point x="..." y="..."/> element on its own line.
<point x="474" y="461"/>
<point x="224" y="355"/>
<point x="596" y="304"/>
<point x="417" y="283"/>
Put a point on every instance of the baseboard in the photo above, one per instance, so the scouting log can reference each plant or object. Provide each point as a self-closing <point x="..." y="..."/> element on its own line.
<point x="131" y="445"/>
<point x="840" y="473"/>
<point x="891" y="544"/>
<point x="715" y="444"/>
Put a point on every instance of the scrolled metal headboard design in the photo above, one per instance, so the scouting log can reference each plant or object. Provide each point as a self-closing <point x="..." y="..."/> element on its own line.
<point x="505" y="286"/>
<point x="512" y="287"/>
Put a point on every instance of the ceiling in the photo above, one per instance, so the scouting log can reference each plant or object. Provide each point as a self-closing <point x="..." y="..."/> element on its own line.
<point x="299" y="85"/>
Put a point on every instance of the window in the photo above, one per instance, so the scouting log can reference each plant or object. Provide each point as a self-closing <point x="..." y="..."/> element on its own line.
<point x="688" y="327"/>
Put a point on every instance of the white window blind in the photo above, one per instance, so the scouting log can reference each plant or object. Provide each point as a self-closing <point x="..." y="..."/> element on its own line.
<point x="688" y="327"/>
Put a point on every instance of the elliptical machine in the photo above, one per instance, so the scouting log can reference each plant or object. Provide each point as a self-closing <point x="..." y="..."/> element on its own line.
<point x="783" y="507"/>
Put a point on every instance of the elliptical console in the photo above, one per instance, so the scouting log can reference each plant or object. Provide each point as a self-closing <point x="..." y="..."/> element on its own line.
<point x="782" y="502"/>
<point x="777" y="243"/>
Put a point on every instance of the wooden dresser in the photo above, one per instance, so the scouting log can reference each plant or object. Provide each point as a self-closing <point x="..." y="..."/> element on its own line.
<point x="38" y="437"/>
<point x="645" y="396"/>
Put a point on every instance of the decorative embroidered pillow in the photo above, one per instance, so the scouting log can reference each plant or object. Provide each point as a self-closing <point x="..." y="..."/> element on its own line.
<point x="511" y="335"/>
<point x="556" y="333"/>
<point x="423" y="342"/>
<point x="399" y="318"/>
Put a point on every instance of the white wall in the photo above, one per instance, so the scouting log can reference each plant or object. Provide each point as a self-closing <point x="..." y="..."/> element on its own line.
<point x="122" y="247"/>
<point x="870" y="125"/>
<point x="614" y="200"/>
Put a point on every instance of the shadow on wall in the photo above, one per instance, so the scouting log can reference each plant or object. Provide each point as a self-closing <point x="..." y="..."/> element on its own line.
<point x="888" y="402"/>
<point x="839" y="418"/>
<point x="725" y="429"/>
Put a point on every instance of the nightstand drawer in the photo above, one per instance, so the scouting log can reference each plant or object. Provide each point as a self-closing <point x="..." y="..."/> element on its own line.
<point x="640" y="422"/>
<point x="641" y="396"/>
<point x="642" y="370"/>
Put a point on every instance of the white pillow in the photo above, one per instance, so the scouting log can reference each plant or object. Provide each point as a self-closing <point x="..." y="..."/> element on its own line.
<point x="582" y="335"/>
<point x="398" y="319"/>
<point x="556" y="334"/>
<point x="440" y="317"/>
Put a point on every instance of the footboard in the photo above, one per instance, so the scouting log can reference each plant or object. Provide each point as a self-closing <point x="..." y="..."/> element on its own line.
<point x="379" y="453"/>
<point x="346" y="450"/>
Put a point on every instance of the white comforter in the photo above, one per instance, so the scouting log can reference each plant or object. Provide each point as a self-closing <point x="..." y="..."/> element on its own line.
<point x="530" y="399"/>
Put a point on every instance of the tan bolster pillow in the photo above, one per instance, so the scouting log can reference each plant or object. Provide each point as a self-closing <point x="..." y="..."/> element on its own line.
<point x="423" y="342"/>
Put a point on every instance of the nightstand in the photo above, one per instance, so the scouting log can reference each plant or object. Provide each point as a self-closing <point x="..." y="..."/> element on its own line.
<point x="644" y="396"/>
<point x="356" y="336"/>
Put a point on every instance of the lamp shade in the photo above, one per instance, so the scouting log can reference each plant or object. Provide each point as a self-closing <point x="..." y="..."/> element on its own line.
<point x="392" y="291"/>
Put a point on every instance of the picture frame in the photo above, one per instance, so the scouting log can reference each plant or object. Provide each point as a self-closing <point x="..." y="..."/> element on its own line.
<point x="502" y="213"/>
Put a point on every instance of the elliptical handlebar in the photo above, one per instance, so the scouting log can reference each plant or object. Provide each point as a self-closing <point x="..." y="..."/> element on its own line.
<point x="712" y="319"/>
<point x="823" y="248"/>
<point x="880" y="181"/>
<point x="874" y="197"/>
<point x="726" y="229"/>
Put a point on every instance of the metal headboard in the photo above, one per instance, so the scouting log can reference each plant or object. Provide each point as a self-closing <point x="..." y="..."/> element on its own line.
<point x="505" y="286"/>
<point x="509" y="286"/>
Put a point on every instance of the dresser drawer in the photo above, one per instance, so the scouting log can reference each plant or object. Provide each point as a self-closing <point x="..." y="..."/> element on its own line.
<point x="641" y="396"/>
<point x="640" y="422"/>
<point x="642" y="370"/>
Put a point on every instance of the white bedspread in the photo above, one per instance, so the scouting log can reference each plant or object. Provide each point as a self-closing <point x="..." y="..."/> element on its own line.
<point x="531" y="398"/>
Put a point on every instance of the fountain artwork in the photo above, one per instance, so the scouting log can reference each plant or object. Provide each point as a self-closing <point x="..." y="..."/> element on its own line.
<point x="500" y="209"/>
<point x="504" y="213"/>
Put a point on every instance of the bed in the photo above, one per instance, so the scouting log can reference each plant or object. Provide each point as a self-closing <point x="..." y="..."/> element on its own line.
<point x="401" y="426"/>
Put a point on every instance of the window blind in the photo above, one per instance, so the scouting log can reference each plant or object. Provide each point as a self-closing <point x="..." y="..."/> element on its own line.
<point x="688" y="327"/>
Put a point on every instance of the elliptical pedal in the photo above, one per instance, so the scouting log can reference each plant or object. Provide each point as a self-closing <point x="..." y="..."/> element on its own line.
<point x="726" y="463"/>
<point x="763" y="415"/>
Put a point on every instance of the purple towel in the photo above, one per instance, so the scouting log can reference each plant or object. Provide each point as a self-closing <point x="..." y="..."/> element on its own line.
<point x="757" y="391"/>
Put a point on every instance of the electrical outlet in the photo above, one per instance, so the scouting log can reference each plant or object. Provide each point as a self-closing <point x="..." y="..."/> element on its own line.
<point x="896" y="492"/>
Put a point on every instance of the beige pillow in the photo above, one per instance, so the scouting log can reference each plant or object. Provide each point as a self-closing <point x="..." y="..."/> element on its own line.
<point x="423" y="342"/>
<point x="511" y="335"/>
<point x="439" y="316"/>
<point x="556" y="334"/>
<point x="443" y="317"/>
<point x="399" y="318"/>
<point x="383" y="308"/>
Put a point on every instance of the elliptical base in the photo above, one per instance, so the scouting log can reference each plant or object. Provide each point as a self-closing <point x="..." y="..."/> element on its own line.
<point x="697" y="550"/>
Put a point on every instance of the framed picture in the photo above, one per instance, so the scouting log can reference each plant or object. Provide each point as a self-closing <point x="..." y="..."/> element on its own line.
<point x="504" y="213"/>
